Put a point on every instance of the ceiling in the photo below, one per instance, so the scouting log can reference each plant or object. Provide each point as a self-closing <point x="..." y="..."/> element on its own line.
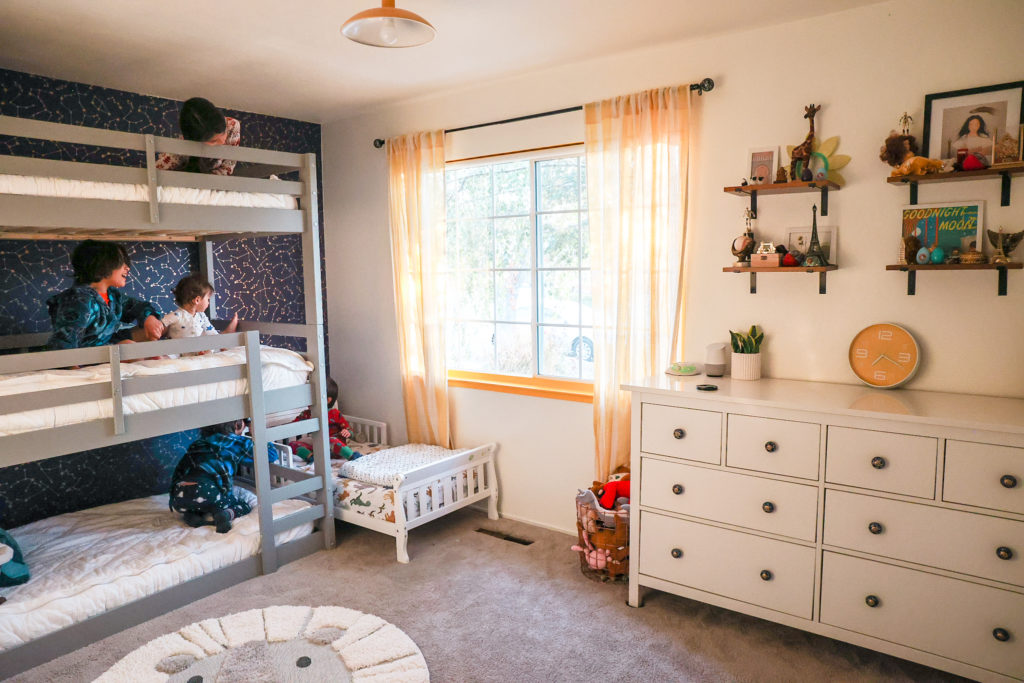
<point x="289" y="58"/>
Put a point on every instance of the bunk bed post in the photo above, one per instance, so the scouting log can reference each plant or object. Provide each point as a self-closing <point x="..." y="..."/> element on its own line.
<point x="261" y="467"/>
<point x="208" y="271"/>
<point x="116" y="397"/>
<point x="315" y="340"/>
<point x="154" y="204"/>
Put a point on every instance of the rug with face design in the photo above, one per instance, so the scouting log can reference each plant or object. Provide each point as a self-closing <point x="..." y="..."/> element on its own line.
<point x="278" y="644"/>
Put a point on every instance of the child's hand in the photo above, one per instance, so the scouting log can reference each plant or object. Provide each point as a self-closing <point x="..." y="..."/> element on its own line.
<point x="233" y="325"/>
<point x="154" y="328"/>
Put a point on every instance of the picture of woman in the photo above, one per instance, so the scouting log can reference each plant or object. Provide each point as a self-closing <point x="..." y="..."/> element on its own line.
<point x="974" y="138"/>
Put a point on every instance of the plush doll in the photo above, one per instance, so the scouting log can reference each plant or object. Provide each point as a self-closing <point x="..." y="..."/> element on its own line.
<point x="13" y="569"/>
<point x="613" y="491"/>
<point x="900" y="152"/>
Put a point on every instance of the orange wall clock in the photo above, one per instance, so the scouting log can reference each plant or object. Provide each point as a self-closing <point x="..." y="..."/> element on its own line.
<point x="884" y="355"/>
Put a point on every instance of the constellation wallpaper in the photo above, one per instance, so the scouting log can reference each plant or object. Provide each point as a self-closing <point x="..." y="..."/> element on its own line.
<point x="33" y="270"/>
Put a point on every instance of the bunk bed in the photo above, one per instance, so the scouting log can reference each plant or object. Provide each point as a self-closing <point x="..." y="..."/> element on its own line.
<point x="117" y="396"/>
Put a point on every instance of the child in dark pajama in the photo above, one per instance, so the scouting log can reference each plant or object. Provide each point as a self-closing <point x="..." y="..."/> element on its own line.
<point x="203" y="481"/>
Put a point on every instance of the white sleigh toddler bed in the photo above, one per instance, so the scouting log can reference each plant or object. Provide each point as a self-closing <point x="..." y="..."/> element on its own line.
<point x="393" y="489"/>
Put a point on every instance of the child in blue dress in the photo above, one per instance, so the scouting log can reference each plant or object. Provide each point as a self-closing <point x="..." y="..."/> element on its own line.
<point x="93" y="311"/>
<point x="203" y="482"/>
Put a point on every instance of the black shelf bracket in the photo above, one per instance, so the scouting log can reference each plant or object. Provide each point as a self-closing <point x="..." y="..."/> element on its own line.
<point x="1004" y="199"/>
<point x="753" y="204"/>
<point x="1002" y="275"/>
<point x="753" y="283"/>
<point x="821" y="281"/>
<point x="911" y="282"/>
<point x="913" y="192"/>
<point x="824" y="201"/>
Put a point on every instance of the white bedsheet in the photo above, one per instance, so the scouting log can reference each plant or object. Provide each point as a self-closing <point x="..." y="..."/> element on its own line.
<point x="88" y="562"/>
<point x="87" y="189"/>
<point x="281" y="368"/>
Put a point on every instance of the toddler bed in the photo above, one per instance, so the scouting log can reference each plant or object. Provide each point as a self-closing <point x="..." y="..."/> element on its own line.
<point x="92" y="561"/>
<point x="393" y="489"/>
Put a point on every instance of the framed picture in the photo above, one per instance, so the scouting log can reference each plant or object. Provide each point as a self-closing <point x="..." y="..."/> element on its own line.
<point x="967" y="121"/>
<point x="799" y="239"/>
<point x="950" y="226"/>
<point x="1009" y="150"/>
<point x="762" y="164"/>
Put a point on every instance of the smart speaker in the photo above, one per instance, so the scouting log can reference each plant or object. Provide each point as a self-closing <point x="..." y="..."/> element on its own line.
<point x="714" y="361"/>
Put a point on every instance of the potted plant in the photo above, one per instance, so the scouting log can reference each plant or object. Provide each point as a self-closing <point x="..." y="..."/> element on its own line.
<point x="746" y="353"/>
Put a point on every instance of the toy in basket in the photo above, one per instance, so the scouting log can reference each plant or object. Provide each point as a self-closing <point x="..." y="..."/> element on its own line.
<point x="602" y="522"/>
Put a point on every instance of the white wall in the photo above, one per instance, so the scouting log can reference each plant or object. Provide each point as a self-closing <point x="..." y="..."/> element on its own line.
<point x="864" y="67"/>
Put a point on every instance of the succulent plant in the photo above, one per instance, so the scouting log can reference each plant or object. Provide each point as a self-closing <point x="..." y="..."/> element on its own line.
<point x="749" y="342"/>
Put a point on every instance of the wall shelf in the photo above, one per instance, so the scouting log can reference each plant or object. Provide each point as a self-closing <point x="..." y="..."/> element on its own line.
<point x="1005" y="173"/>
<point x="912" y="268"/>
<point x="754" y="270"/>
<point x="753" y="191"/>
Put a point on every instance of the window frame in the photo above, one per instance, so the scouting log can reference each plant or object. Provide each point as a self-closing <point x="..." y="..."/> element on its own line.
<point x="545" y="386"/>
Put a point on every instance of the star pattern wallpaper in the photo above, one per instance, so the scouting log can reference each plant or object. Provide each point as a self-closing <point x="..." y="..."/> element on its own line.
<point x="259" y="278"/>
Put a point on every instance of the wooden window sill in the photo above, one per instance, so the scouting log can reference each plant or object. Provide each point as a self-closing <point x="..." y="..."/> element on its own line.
<point x="565" y="390"/>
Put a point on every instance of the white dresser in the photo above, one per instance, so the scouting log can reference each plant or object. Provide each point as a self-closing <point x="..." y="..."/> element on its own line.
<point x="889" y="519"/>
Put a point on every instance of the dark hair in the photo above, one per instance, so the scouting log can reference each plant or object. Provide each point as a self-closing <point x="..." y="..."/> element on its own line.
<point x="200" y="120"/>
<point x="93" y="260"/>
<point x="965" y="129"/>
<point x="332" y="392"/>
<point x="222" y="428"/>
<point x="189" y="287"/>
<point x="896" y="147"/>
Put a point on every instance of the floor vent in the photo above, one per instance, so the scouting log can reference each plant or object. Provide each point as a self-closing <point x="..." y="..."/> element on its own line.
<point x="505" y="537"/>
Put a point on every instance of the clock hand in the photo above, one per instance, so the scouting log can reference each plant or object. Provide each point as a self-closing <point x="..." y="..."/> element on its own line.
<point x="892" y="361"/>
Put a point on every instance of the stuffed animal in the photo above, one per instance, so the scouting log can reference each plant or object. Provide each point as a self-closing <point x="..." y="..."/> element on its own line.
<point x="900" y="152"/>
<point x="13" y="570"/>
<point x="613" y="491"/>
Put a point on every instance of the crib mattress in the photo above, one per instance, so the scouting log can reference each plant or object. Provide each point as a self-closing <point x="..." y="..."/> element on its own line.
<point x="86" y="189"/>
<point x="92" y="561"/>
<point x="281" y="368"/>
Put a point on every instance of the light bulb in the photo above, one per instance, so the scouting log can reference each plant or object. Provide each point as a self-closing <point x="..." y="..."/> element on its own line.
<point x="389" y="32"/>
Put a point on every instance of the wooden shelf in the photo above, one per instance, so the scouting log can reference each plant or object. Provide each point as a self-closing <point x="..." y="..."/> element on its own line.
<point x="1003" y="172"/>
<point x="912" y="268"/>
<point x="754" y="270"/>
<point x="822" y="186"/>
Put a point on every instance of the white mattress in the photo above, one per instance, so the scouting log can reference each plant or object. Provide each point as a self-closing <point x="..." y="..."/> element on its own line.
<point x="281" y="368"/>
<point x="86" y="189"/>
<point x="92" y="561"/>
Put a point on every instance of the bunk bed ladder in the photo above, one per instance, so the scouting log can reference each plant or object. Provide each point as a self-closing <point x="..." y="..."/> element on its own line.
<point x="261" y="466"/>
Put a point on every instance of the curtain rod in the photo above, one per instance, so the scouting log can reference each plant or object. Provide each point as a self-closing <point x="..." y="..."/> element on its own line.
<point x="706" y="85"/>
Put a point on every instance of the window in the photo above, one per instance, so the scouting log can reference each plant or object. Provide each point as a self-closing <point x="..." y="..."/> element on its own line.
<point x="519" y="298"/>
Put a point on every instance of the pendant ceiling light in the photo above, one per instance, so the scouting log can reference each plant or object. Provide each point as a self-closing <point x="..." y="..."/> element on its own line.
<point x="388" y="26"/>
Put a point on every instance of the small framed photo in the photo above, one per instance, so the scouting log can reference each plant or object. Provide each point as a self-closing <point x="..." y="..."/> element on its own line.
<point x="762" y="164"/>
<point x="799" y="239"/>
<point x="961" y="122"/>
<point x="1009" y="150"/>
<point x="950" y="226"/>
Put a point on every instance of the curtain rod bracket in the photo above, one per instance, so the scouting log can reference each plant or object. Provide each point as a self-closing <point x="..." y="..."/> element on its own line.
<point x="707" y="85"/>
<point x="378" y="143"/>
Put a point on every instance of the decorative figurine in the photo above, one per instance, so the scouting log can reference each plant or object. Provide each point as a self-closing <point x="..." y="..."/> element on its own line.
<point x="954" y="256"/>
<point x="802" y="152"/>
<point x="815" y="254"/>
<point x="743" y="246"/>
<point x="780" y="175"/>
<point x="972" y="256"/>
<point x="900" y="151"/>
<point x="1004" y="244"/>
<point x="923" y="255"/>
<point x="911" y="243"/>
<point x="790" y="259"/>
<point x="765" y="248"/>
<point x="938" y="255"/>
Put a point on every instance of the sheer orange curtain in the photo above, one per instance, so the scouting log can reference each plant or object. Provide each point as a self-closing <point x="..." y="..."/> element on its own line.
<point x="417" y="211"/>
<point x="637" y="159"/>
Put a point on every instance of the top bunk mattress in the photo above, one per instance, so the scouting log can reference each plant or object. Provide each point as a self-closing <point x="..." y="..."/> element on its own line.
<point x="88" y="562"/>
<point x="281" y="368"/>
<point x="86" y="189"/>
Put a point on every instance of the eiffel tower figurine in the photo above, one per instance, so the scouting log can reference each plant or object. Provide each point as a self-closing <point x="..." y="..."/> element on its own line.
<point x="815" y="256"/>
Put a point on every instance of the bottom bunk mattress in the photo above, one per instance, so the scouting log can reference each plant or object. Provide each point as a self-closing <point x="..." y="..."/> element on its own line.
<point x="88" y="562"/>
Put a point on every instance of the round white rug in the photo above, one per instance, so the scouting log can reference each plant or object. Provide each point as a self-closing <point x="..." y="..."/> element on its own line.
<point x="278" y="644"/>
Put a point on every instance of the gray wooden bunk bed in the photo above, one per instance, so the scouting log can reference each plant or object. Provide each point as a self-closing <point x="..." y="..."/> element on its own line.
<point x="29" y="216"/>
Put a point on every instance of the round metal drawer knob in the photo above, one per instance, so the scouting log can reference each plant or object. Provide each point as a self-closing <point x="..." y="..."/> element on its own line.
<point x="678" y="433"/>
<point x="768" y="506"/>
<point x="878" y="462"/>
<point x="677" y="553"/>
<point x="677" y="489"/>
<point x="1004" y="553"/>
<point x="875" y="528"/>
<point x="766" y="575"/>
<point x="1001" y="634"/>
<point x="872" y="601"/>
<point x="1008" y="481"/>
<point x="771" y="446"/>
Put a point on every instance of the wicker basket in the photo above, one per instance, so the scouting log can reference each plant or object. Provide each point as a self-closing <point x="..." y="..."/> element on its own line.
<point x="605" y="554"/>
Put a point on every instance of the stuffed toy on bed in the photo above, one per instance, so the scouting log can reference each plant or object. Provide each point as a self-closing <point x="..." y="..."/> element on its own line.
<point x="13" y="571"/>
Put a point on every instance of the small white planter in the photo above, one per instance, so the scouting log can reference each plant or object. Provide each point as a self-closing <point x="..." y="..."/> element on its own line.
<point x="746" y="365"/>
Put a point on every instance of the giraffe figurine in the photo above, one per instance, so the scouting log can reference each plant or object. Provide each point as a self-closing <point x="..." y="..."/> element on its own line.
<point x="802" y="152"/>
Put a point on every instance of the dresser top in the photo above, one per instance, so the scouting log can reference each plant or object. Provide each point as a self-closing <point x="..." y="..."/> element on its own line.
<point x="930" y="407"/>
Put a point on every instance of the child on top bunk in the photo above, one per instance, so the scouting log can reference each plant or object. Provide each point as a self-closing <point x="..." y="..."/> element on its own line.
<point x="200" y="121"/>
<point x="203" y="482"/>
<point x="338" y="427"/>
<point x="93" y="311"/>
<point x="192" y="294"/>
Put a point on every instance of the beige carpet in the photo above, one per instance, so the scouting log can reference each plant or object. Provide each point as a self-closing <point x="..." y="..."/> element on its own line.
<point x="484" y="609"/>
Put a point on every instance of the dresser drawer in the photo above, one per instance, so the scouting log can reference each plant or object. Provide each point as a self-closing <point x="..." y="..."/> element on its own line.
<point x="769" y="445"/>
<point x="984" y="475"/>
<point x="777" y="507"/>
<point x="957" y="541"/>
<point x="897" y="463"/>
<point x="947" y="617"/>
<point x="681" y="432"/>
<point x="761" y="571"/>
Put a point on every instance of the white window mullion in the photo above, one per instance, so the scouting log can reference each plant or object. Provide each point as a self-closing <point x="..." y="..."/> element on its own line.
<point x="534" y="276"/>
